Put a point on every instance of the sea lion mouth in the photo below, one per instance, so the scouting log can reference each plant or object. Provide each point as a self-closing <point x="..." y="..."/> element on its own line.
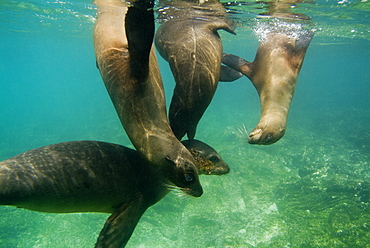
<point x="263" y="137"/>
<point x="192" y="192"/>
<point x="221" y="170"/>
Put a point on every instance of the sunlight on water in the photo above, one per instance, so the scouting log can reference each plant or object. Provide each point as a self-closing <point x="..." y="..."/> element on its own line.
<point x="293" y="30"/>
<point x="310" y="189"/>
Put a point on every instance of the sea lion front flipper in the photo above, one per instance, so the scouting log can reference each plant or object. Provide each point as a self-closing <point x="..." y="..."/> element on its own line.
<point x="228" y="74"/>
<point x="238" y="64"/>
<point x="120" y="225"/>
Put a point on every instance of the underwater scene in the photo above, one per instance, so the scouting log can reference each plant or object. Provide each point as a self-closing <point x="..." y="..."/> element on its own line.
<point x="311" y="188"/>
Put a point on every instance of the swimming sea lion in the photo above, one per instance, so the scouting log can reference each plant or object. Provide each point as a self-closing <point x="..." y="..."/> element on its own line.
<point x="190" y="43"/>
<point x="127" y="63"/>
<point x="90" y="176"/>
<point x="274" y="74"/>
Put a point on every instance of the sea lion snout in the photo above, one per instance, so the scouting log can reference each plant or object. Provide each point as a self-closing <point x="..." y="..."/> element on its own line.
<point x="219" y="166"/>
<point x="267" y="134"/>
<point x="264" y="138"/>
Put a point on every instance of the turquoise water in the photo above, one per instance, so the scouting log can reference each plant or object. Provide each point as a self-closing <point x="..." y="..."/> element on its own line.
<point x="310" y="189"/>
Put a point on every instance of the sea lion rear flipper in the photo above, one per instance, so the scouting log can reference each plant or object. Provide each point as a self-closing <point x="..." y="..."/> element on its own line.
<point x="120" y="225"/>
<point x="226" y="25"/>
<point x="228" y="74"/>
<point x="139" y="26"/>
<point x="237" y="63"/>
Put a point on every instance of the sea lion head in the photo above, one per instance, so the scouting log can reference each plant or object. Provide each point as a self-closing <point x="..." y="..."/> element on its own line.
<point x="185" y="177"/>
<point x="209" y="162"/>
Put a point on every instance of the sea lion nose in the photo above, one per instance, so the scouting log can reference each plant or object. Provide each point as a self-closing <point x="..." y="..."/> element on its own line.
<point x="224" y="169"/>
<point x="197" y="191"/>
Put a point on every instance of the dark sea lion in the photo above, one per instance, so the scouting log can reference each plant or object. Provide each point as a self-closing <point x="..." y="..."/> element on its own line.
<point x="190" y="43"/>
<point x="127" y="63"/>
<point x="274" y="74"/>
<point x="91" y="176"/>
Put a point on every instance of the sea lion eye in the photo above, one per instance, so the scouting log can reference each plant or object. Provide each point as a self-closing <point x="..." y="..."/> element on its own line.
<point x="189" y="177"/>
<point x="214" y="159"/>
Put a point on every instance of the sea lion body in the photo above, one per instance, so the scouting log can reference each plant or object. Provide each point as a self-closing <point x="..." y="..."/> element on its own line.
<point x="274" y="73"/>
<point x="193" y="49"/>
<point x="80" y="176"/>
<point x="86" y="176"/>
<point x="128" y="66"/>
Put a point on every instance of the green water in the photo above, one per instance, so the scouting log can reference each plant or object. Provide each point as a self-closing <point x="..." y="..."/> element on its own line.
<point x="310" y="189"/>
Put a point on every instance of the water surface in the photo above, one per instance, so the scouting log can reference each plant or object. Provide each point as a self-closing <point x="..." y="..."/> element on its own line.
<point x="310" y="189"/>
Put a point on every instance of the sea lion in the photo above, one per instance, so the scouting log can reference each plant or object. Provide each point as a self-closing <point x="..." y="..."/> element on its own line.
<point x="190" y="43"/>
<point x="126" y="59"/>
<point x="91" y="176"/>
<point x="274" y="74"/>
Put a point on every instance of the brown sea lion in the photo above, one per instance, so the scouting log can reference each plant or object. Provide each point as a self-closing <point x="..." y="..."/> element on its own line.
<point x="189" y="41"/>
<point x="92" y="176"/>
<point x="274" y="74"/>
<point x="127" y="63"/>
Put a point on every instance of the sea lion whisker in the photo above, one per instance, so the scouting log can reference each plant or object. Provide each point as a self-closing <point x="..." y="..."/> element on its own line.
<point x="171" y="187"/>
<point x="180" y="194"/>
<point x="178" y="191"/>
<point x="243" y="130"/>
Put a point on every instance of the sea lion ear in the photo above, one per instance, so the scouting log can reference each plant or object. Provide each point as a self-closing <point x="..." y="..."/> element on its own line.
<point x="170" y="159"/>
